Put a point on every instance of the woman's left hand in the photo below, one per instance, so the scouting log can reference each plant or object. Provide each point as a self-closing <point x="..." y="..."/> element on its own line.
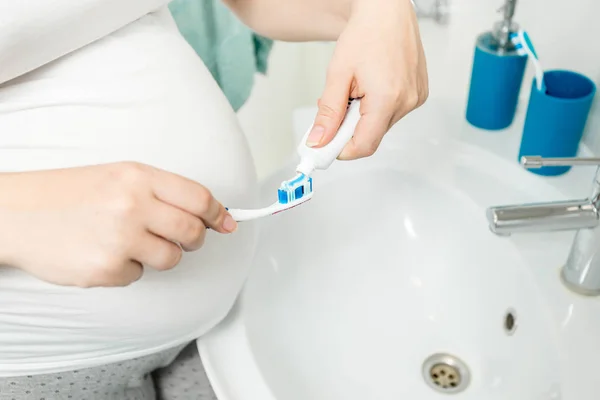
<point x="379" y="58"/>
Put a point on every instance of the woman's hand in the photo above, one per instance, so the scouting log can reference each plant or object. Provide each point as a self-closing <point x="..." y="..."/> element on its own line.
<point x="379" y="57"/>
<point x="97" y="225"/>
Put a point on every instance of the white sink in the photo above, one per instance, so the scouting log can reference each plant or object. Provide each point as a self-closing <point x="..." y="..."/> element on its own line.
<point x="389" y="285"/>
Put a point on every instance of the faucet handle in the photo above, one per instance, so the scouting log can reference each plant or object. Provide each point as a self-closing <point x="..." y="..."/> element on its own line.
<point x="538" y="162"/>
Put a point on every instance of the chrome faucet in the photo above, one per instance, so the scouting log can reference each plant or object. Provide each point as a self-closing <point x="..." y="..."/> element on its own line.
<point x="581" y="273"/>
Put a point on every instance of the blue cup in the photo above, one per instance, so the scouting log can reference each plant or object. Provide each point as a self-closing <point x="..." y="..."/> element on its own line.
<point x="556" y="118"/>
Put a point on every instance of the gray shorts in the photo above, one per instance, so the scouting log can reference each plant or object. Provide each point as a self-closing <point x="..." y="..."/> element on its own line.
<point x="175" y="374"/>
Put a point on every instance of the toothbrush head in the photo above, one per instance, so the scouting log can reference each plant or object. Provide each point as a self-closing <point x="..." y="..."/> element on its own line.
<point x="291" y="194"/>
<point x="515" y="39"/>
<point x="292" y="204"/>
<point x="523" y="44"/>
<point x="295" y="189"/>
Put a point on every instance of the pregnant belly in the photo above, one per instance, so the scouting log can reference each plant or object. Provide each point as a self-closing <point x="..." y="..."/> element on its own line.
<point x="161" y="107"/>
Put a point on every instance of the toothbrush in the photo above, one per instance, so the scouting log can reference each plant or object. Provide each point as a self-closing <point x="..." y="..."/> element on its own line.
<point x="299" y="189"/>
<point x="524" y="46"/>
<point x="290" y="194"/>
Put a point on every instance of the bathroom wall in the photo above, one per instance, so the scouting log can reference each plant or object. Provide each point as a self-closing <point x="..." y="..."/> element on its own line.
<point x="564" y="33"/>
<point x="295" y="78"/>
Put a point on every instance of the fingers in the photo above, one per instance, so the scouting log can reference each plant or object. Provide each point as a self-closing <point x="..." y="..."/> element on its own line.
<point x="157" y="253"/>
<point x="194" y="198"/>
<point x="132" y="271"/>
<point x="372" y="126"/>
<point x="176" y="225"/>
<point x="119" y="274"/>
<point x="332" y="108"/>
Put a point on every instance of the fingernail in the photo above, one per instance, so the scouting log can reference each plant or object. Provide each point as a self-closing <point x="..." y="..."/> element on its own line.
<point x="229" y="224"/>
<point x="315" y="136"/>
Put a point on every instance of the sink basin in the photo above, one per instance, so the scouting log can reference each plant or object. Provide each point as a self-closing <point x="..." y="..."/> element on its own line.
<point x="389" y="285"/>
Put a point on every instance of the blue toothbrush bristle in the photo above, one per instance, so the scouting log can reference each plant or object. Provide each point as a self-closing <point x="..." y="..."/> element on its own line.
<point x="299" y="192"/>
<point x="282" y="196"/>
<point x="294" y="189"/>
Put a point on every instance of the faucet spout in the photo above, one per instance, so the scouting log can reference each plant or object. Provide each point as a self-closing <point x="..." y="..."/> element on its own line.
<point x="542" y="217"/>
<point x="581" y="272"/>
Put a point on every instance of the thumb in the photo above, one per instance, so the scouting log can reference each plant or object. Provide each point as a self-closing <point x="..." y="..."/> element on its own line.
<point x="332" y="109"/>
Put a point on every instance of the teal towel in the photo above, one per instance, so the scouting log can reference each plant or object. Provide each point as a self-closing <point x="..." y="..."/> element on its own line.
<point x="232" y="52"/>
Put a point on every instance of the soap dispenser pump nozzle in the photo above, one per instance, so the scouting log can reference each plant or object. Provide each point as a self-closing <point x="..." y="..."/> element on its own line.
<point x="503" y="29"/>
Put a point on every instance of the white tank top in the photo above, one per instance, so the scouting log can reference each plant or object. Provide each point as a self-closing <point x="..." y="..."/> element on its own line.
<point x="139" y="94"/>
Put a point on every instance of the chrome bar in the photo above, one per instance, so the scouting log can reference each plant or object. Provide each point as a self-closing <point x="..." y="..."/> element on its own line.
<point x="542" y="217"/>
<point x="538" y="162"/>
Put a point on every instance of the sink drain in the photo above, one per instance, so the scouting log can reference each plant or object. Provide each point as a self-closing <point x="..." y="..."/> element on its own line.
<point x="446" y="373"/>
<point x="510" y="321"/>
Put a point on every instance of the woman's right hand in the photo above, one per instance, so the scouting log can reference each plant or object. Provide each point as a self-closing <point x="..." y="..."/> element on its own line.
<point x="97" y="225"/>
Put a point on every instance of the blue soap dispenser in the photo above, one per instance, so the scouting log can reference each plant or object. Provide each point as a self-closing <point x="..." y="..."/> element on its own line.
<point x="496" y="75"/>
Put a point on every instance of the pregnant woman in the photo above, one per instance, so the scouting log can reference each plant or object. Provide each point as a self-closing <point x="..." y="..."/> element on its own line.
<point x="117" y="150"/>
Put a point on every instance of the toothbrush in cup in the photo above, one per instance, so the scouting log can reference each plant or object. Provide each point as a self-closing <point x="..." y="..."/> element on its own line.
<point x="523" y="45"/>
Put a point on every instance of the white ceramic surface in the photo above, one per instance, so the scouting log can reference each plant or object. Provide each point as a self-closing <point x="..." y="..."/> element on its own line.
<point x="391" y="262"/>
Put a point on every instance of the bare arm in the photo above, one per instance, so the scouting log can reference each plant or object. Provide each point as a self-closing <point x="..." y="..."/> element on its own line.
<point x="294" y="20"/>
<point x="36" y="32"/>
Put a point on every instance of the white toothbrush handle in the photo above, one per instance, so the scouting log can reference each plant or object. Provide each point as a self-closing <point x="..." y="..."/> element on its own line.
<point x="240" y="215"/>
